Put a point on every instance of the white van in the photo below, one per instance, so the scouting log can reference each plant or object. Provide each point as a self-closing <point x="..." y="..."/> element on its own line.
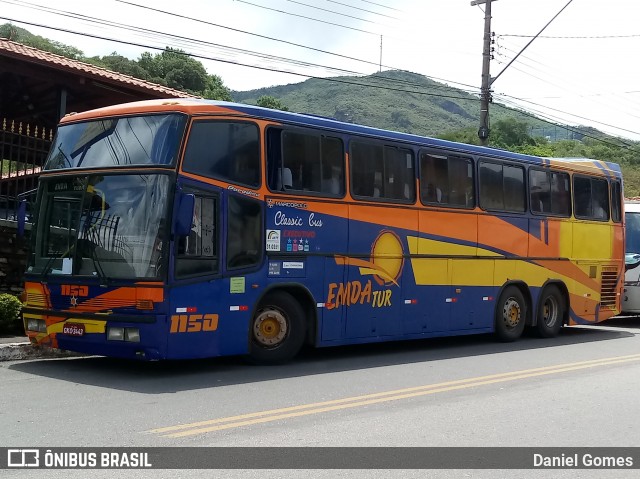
<point x="631" y="296"/>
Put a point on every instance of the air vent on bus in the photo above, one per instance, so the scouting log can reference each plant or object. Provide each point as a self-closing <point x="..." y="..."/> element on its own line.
<point x="608" y="286"/>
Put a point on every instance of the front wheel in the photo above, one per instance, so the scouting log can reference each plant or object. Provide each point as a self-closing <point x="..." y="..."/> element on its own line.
<point x="511" y="314"/>
<point x="550" y="312"/>
<point x="277" y="329"/>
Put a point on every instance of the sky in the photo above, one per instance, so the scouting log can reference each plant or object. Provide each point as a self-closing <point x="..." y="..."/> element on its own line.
<point x="582" y="70"/>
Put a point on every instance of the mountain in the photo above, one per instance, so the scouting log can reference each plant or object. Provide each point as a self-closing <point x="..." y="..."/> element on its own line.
<point x="392" y="100"/>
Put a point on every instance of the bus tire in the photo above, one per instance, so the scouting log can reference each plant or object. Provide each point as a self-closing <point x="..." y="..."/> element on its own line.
<point x="277" y="330"/>
<point x="511" y="314"/>
<point x="550" y="312"/>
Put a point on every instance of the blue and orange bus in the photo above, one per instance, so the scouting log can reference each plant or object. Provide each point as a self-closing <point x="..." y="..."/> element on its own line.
<point x="192" y="228"/>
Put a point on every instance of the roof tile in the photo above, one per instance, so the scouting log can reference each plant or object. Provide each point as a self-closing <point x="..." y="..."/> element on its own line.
<point x="17" y="50"/>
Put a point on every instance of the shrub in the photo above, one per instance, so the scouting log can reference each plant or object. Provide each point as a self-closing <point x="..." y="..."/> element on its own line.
<point x="10" y="308"/>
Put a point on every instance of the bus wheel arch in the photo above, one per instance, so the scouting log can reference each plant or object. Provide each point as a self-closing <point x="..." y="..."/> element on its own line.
<point x="512" y="311"/>
<point x="551" y="312"/>
<point x="279" y="326"/>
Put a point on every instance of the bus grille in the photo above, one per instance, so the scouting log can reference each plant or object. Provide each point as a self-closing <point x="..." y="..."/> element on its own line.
<point x="608" y="287"/>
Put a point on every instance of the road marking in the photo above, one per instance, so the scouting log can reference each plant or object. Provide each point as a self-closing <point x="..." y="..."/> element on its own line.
<point x="261" y="417"/>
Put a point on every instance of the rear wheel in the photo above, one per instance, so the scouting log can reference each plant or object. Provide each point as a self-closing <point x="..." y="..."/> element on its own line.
<point x="277" y="329"/>
<point x="550" y="312"/>
<point x="511" y="314"/>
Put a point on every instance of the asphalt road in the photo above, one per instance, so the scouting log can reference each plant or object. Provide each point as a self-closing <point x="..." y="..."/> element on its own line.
<point x="580" y="389"/>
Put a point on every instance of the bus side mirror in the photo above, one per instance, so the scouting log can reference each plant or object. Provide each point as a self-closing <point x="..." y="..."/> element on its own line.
<point x="22" y="217"/>
<point x="184" y="216"/>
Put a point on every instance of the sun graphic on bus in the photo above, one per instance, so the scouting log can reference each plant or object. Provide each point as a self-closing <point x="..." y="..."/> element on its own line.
<point x="387" y="257"/>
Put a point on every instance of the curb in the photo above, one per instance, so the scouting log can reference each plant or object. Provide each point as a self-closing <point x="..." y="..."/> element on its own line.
<point x="24" y="350"/>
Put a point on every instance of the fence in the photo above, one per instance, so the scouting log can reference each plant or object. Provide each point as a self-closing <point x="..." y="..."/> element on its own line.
<point x="23" y="150"/>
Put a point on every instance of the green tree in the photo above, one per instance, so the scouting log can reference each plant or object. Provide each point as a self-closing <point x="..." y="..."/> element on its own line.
<point x="175" y="69"/>
<point x="267" y="101"/>
<point x="121" y="64"/>
<point x="215" y="89"/>
<point x="509" y="133"/>
<point x="466" y="135"/>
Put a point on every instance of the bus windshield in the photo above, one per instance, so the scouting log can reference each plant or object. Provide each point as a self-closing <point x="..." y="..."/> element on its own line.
<point x="106" y="226"/>
<point x="126" y="141"/>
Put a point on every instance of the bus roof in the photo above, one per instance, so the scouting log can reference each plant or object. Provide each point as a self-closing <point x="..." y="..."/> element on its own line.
<point x="197" y="106"/>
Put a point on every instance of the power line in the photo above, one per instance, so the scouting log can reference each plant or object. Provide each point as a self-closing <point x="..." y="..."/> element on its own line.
<point x="564" y="86"/>
<point x="376" y="79"/>
<point x="177" y="15"/>
<point x="593" y="37"/>
<point x="336" y="13"/>
<point x="380" y="5"/>
<point x="153" y="34"/>
<point x="336" y="80"/>
<point x="363" y="10"/>
<point x="308" y="18"/>
<point x="557" y="121"/>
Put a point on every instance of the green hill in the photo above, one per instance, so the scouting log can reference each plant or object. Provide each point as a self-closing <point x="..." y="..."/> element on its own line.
<point x="393" y="100"/>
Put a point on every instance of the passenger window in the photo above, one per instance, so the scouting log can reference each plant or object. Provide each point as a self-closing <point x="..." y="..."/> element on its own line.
<point x="446" y="180"/>
<point x="305" y="162"/>
<point x="502" y="187"/>
<point x="549" y="193"/>
<point x="560" y="194"/>
<point x="616" y="202"/>
<point x="384" y="172"/>
<point x="591" y="198"/>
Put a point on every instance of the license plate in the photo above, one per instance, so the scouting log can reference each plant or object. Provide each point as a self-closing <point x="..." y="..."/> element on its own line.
<point x="73" y="329"/>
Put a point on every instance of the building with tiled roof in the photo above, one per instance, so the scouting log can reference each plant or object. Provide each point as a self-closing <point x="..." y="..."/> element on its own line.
<point x="39" y="87"/>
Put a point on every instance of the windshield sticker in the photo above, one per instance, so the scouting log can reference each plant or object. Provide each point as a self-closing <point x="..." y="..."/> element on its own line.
<point x="273" y="240"/>
<point x="293" y="265"/>
<point x="297" y="245"/>
<point x="274" y="268"/>
<point x="298" y="234"/>
<point x="236" y="285"/>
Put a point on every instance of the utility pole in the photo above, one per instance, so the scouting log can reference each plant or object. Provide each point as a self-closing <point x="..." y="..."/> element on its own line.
<point x="485" y="89"/>
<point x="487" y="81"/>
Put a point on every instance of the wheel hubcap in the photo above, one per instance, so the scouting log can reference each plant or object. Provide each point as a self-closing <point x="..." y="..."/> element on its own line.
<point x="270" y="328"/>
<point x="511" y="313"/>
<point x="550" y="311"/>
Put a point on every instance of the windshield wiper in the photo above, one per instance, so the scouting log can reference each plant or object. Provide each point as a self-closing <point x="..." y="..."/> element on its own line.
<point x="84" y="244"/>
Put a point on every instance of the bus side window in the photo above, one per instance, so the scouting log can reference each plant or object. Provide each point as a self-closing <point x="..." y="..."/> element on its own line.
<point x="560" y="194"/>
<point x="244" y="233"/>
<point x="591" y="199"/>
<point x="198" y="252"/>
<point x="332" y="166"/>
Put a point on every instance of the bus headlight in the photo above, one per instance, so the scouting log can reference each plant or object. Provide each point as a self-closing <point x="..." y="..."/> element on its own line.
<point x="115" y="334"/>
<point x="131" y="335"/>
<point x="36" y="325"/>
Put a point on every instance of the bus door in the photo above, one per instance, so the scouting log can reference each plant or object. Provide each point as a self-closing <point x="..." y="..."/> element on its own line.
<point x="214" y="268"/>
